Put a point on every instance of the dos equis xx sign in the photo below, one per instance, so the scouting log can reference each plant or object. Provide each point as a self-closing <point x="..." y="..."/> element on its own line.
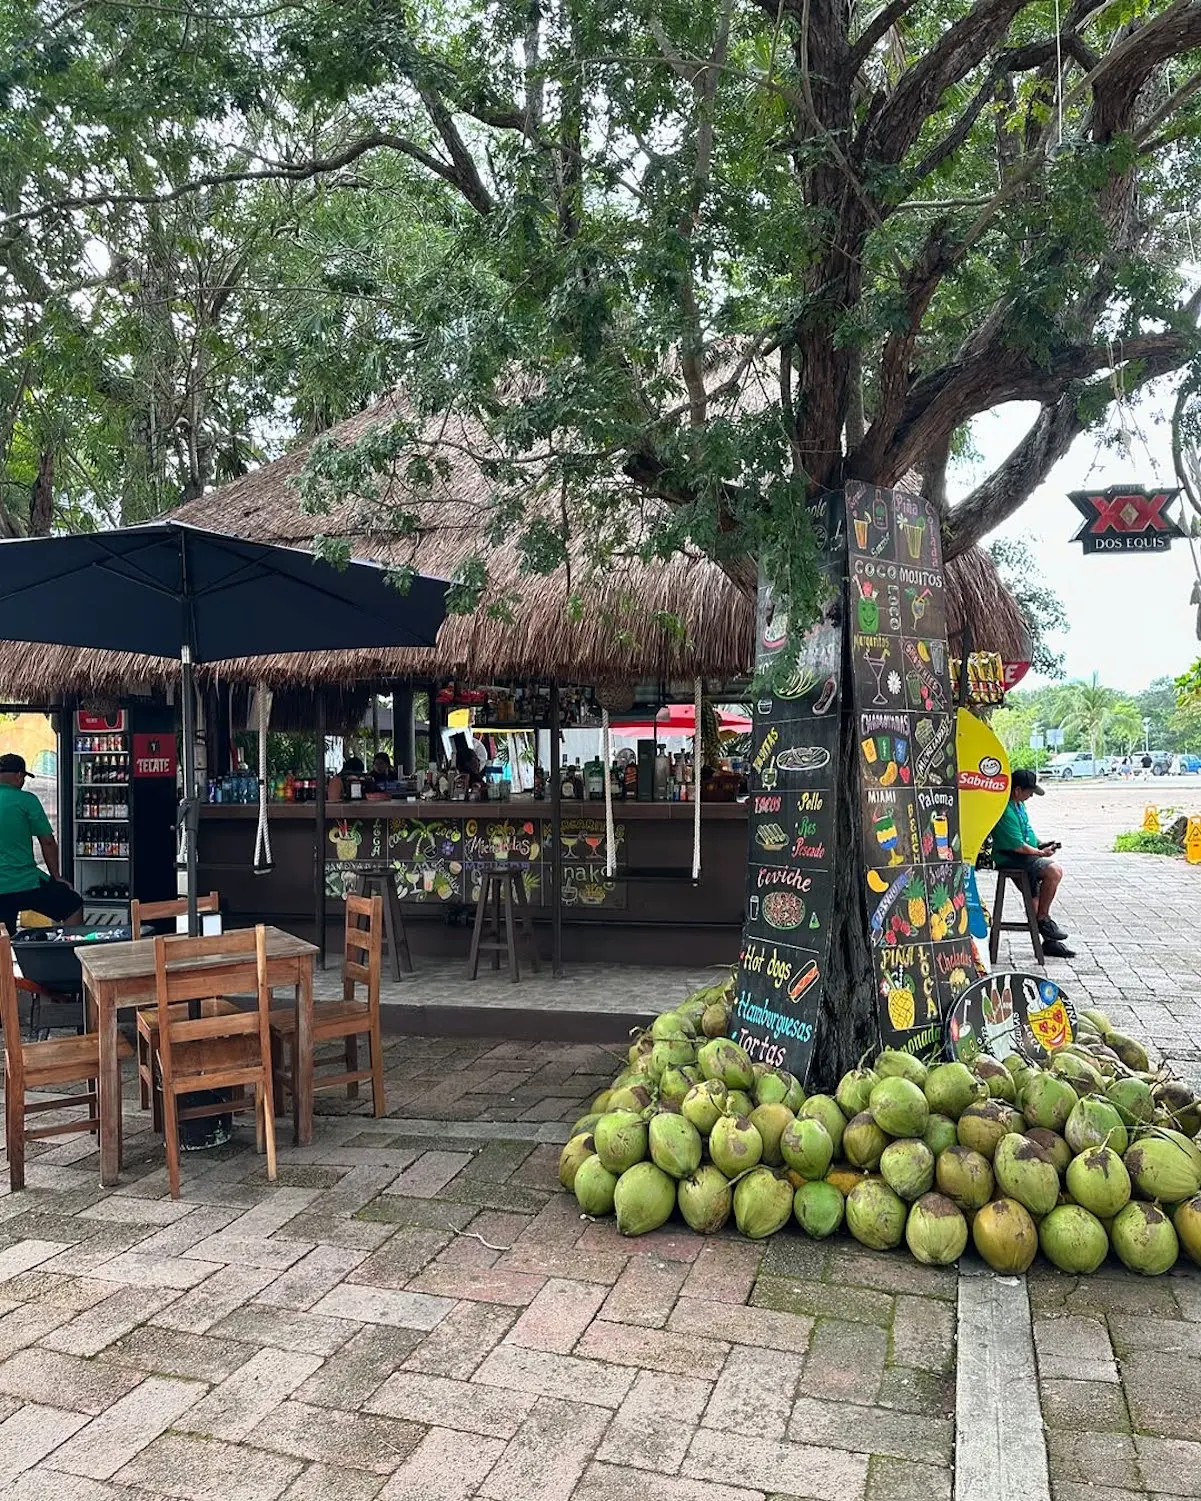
<point x="1126" y="518"/>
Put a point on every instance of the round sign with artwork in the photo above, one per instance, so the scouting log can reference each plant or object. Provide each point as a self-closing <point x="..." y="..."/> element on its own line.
<point x="1008" y="1012"/>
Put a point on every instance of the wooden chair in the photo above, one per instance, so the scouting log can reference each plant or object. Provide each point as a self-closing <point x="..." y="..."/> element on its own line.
<point x="36" y="1065"/>
<point x="1021" y="882"/>
<point x="227" y="1051"/>
<point x="144" y="912"/>
<point x="346" y="1020"/>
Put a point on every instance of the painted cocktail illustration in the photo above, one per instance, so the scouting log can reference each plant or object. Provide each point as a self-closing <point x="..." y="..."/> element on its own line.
<point x="861" y="532"/>
<point x="868" y="747"/>
<point x="900" y="750"/>
<point x="594" y="842"/>
<point x="884" y="826"/>
<point x="915" y="530"/>
<point x="941" y="841"/>
<point x="882" y="745"/>
<point x="869" y="614"/>
<point x="877" y="664"/>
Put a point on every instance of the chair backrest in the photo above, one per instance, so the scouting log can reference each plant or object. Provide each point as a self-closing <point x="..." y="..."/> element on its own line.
<point x="9" y="1015"/>
<point x="140" y="912"/>
<point x="197" y="969"/>
<point x="363" y="948"/>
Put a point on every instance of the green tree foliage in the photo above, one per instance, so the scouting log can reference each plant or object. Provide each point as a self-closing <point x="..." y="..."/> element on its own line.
<point x="1042" y="609"/>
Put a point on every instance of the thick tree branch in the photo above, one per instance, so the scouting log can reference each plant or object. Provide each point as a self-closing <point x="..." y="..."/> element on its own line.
<point x="875" y="31"/>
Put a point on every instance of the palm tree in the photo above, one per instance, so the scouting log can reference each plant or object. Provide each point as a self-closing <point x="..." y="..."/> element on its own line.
<point x="1088" y="709"/>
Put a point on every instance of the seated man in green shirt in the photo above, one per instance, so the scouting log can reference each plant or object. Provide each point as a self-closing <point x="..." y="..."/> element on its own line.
<point x="23" y="887"/>
<point x="1016" y="846"/>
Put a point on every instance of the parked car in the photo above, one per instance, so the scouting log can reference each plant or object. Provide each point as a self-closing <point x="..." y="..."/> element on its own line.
<point x="1070" y="764"/>
<point x="1186" y="765"/>
<point x="1161" y="763"/>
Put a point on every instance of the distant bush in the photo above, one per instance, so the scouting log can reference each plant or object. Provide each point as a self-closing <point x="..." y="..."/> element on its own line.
<point x="1139" y="842"/>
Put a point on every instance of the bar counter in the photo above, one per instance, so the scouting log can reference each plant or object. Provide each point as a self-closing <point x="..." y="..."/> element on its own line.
<point x="651" y="912"/>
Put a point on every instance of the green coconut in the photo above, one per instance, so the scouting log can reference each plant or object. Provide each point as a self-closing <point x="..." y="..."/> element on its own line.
<point x="586" y="1123"/>
<point x="863" y="1142"/>
<point x="855" y="1089"/>
<point x="936" y="1231"/>
<point x="875" y="1215"/>
<point x="601" y="1103"/>
<point x="772" y="1086"/>
<point x="1095" y="1123"/>
<point x="1187" y="1223"/>
<point x="1133" y="1100"/>
<point x="739" y="1102"/>
<point x="1098" y="1180"/>
<point x="907" y="1166"/>
<point x="725" y="1060"/>
<point x="1047" y="1101"/>
<point x="671" y="1052"/>
<point x="1097" y="1020"/>
<point x="1132" y="1053"/>
<point x="950" y="1088"/>
<point x="631" y="1098"/>
<point x="762" y="1203"/>
<point x="1144" y="1240"/>
<point x="1180" y="1104"/>
<point x="704" y="1104"/>
<point x="671" y="1024"/>
<point x="1004" y="1234"/>
<point x="818" y="1209"/>
<point x="899" y="1107"/>
<point x="675" y="1145"/>
<point x="705" y="1199"/>
<point x="735" y="1145"/>
<point x="1053" y="1145"/>
<point x="1163" y="1166"/>
<point x="675" y="1084"/>
<point x="621" y="1140"/>
<point x="824" y="1108"/>
<point x="644" y="1198"/>
<point x="940" y="1133"/>
<point x="997" y="1078"/>
<point x="965" y="1177"/>
<point x="771" y="1121"/>
<point x="576" y="1152"/>
<point x="594" y="1187"/>
<point x="1024" y="1172"/>
<point x="796" y="1096"/>
<point x="1082" y="1075"/>
<point x="806" y="1147"/>
<point x="892" y="1064"/>
<point x="715" y="1021"/>
<point x="982" y="1126"/>
<point x="1073" y="1239"/>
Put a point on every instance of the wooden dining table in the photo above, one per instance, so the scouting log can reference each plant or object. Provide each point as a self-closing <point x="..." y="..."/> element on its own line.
<point x="117" y="975"/>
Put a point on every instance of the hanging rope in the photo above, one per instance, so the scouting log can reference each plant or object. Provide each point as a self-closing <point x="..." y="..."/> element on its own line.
<point x="696" y="784"/>
<point x="610" y="830"/>
<point x="262" y="839"/>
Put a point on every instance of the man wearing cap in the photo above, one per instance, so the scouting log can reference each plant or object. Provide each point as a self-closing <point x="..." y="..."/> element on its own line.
<point x="23" y="887"/>
<point x="1016" y="846"/>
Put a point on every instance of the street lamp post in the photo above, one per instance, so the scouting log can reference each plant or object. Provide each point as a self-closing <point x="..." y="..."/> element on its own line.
<point x="1146" y="734"/>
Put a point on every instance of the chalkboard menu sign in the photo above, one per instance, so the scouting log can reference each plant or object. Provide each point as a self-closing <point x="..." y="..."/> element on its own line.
<point x="793" y="782"/>
<point x="1006" y="1013"/>
<point x="443" y="860"/>
<point x="905" y="737"/>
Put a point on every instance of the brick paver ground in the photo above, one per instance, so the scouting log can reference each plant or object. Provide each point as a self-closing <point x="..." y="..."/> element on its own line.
<point x="416" y="1312"/>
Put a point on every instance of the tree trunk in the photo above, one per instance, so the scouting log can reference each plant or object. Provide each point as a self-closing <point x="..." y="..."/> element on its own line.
<point x="41" y="501"/>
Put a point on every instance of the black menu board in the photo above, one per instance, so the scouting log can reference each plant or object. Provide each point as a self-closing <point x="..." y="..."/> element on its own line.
<point x="793" y="782"/>
<point x="905" y="734"/>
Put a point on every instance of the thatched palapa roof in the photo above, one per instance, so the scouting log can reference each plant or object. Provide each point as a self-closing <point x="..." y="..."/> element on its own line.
<point x="617" y="636"/>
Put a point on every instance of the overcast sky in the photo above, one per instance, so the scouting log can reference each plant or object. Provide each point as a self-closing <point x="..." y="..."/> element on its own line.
<point x="1130" y="616"/>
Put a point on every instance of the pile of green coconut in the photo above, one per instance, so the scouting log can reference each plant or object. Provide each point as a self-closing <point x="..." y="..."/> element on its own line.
<point x="1093" y="1152"/>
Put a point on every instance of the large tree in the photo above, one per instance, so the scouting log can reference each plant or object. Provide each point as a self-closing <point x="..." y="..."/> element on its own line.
<point x="701" y="258"/>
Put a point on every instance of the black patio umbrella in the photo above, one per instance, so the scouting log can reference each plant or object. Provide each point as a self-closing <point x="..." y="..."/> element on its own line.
<point x="172" y="590"/>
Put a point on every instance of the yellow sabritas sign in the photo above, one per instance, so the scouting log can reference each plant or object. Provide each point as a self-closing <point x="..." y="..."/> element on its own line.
<point x="983" y="782"/>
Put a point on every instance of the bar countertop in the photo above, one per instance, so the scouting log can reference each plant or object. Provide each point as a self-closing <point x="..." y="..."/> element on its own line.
<point x="623" y="812"/>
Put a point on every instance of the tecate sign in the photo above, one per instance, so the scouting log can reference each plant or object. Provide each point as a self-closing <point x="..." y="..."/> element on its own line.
<point x="1126" y="518"/>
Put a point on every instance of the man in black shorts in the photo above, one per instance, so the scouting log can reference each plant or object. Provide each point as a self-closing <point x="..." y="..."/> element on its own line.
<point x="23" y="887"/>
<point x="1016" y="846"/>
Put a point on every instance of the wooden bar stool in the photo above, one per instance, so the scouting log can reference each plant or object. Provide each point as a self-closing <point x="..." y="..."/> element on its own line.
<point x="396" y="939"/>
<point x="145" y="912"/>
<point x="228" y="1051"/>
<point x="346" y="1020"/>
<point x="36" y="1065"/>
<point x="502" y="891"/>
<point x="1021" y="883"/>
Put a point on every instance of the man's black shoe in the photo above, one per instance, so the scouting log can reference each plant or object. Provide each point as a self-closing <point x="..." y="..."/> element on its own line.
<point x="1055" y="948"/>
<point x="1049" y="928"/>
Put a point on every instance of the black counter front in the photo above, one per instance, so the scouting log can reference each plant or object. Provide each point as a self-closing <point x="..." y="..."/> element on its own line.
<point x="649" y="912"/>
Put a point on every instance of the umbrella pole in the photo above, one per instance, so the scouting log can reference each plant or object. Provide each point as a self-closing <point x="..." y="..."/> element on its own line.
<point x="319" y="842"/>
<point x="189" y="808"/>
<point x="556" y="832"/>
